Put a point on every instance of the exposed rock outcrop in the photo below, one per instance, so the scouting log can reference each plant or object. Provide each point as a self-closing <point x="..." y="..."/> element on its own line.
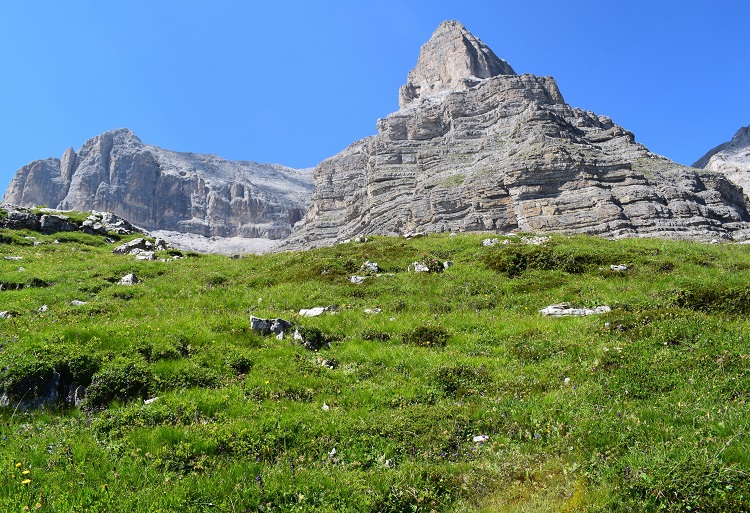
<point x="732" y="159"/>
<point x="165" y="190"/>
<point x="47" y="220"/>
<point x="476" y="147"/>
<point x="453" y="59"/>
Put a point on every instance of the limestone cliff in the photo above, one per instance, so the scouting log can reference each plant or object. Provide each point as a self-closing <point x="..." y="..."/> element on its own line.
<point x="475" y="146"/>
<point x="732" y="159"/>
<point x="165" y="190"/>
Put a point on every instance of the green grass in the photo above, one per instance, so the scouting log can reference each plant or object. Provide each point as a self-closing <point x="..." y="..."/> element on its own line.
<point x="641" y="409"/>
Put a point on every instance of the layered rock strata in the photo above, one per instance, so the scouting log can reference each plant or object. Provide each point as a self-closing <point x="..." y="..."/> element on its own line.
<point x="475" y="146"/>
<point x="732" y="159"/>
<point x="160" y="189"/>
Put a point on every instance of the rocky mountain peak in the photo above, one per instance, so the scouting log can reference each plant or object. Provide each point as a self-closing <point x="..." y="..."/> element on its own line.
<point x="732" y="159"/>
<point x="453" y="59"/>
<point x="476" y="147"/>
<point x="160" y="189"/>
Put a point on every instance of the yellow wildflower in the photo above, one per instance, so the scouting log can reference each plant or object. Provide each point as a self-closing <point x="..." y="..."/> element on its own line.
<point x="25" y="481"/>
<point x="18" y="465"/>
<point x="25" y="472"/>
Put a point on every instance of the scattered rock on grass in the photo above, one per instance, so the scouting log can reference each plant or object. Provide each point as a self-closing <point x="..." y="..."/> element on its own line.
<point x="419" y="267"/>
<point x="269" y="326"/>
<point x="77" y="302"/>
<point x="620" y="268"/>
<point x="139" y="246"/>
<point x="357" y="280"/>
<point x="565" y="310"/>
<point x="316" y="311"/>
<point x="329" y="364"/>
<point x="129" y="279"/>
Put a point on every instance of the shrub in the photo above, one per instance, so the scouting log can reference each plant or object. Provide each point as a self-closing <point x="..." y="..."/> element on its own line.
<point x="27" y="379"/>
<point x="80" y="368"/>
<point x="714" y="298"/>
<point x="371" y="334"/>
<point x="185" y="374"/>
<point x="427" y="335"/>
<point x="462" y="380"/>
<point x="433" y="264"/>
<point x="240" y="363"/>
<point x="312" y="338"/>
<point x="513" y="260"/>
<point x="121" y="378"/>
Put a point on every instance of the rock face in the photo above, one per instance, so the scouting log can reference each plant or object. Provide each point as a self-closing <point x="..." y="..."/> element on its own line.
<point x="476" y="147"/>
<point x="165" y="190"/>
<point x="732" y="159"/>
<point x="453" y="59"/>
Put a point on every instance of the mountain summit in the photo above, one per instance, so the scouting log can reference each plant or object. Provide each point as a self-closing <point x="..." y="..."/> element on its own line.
<point x="732" y="159"/>
<point x="160" y="189"/>
<point x="451" y="60"/>
<point x="476" y="147"/>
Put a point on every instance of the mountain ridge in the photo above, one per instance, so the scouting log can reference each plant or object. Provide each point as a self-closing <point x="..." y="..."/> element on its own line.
<point x="474" y="146"/>
<point x="161" y="189"/>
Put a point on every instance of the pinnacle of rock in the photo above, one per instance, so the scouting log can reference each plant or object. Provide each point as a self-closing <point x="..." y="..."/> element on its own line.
<point x="453" y="59"/>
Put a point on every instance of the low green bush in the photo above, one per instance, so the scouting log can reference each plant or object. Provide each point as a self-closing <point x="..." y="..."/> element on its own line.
<point x="239" y="362"/>
<point x="427" y="335"/>
<point x="124" y="377"/>
<point x="462" y="380"/>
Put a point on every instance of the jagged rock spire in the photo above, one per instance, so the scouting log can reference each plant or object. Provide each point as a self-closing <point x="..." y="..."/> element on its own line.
<point x="453" y="59"/>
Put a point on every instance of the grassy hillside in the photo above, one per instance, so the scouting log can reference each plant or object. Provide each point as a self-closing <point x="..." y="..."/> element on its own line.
<point x="456" y="395"/>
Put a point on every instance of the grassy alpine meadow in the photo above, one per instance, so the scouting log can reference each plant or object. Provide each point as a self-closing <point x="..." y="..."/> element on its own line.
<point x="442" y="391"/>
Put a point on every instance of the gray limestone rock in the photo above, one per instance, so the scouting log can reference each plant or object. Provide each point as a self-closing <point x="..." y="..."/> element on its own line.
<point x="317" y="310"/>
<point x="504" y="152"/>
<point x="134" y="246"/>
<point x="453" y="59"/>
<point x="19" y="219"/>
<point x="166" y="190"/>
<point x="565" y="310"/>
<point x="269" y="326"/>
<point x="129" y="279"/>
<point x="50" y="223"/>
<point x="732" y="159"/>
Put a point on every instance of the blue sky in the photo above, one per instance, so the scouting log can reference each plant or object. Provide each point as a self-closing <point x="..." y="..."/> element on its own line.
<point x="296" y="82"/>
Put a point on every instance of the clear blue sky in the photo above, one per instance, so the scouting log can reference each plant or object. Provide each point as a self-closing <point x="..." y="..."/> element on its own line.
<point x="296" y="82"/>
